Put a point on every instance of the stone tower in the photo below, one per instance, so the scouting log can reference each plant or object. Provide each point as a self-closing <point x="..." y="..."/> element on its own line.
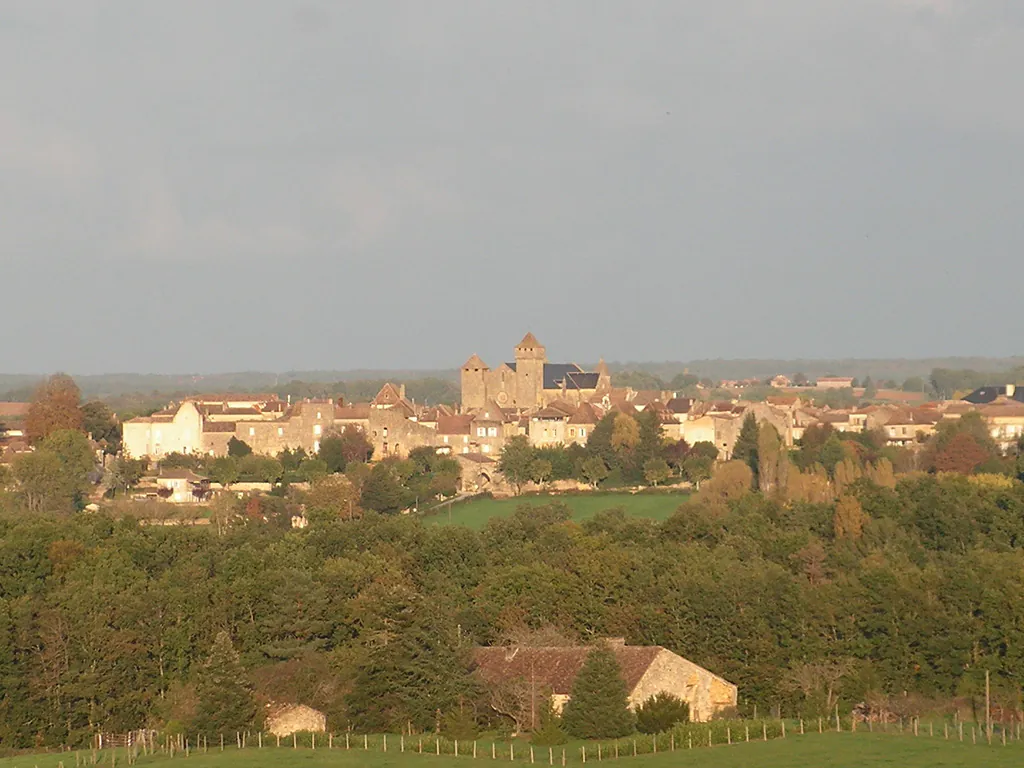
<point x="530" y="358"/>
<point x="474" y="383"/>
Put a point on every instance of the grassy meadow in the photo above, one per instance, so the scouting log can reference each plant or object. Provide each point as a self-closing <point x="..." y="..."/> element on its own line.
<point x="476" y="512"/>
<point x="834" y="750"/>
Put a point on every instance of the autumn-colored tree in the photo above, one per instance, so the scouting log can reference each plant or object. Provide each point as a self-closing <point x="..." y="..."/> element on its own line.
<point x="849" y="518"/>
<point x="55" y="405"/>
<point x="730" y="481"/>
<point x="961" y="454"/>
<point x="881" y="473"/>
<point x="625" y="433"/>
<point x="332" y="497"/>
<point x="847" y="472"/>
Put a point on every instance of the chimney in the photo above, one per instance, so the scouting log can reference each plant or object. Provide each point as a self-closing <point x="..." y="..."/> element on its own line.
<point x="401" y="391"/>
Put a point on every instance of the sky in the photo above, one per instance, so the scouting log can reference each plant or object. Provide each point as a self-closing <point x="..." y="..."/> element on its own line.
<point x="223" y="185"/>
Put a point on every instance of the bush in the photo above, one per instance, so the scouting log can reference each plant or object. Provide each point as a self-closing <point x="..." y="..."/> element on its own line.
<point x="550" y="733"/>
<point x="661" y="713"/>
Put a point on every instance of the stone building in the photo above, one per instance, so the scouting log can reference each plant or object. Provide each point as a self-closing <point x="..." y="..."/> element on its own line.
<point x="647" y="670"/>
<point x="286" y="719"/>
<point x="530" y="381"/>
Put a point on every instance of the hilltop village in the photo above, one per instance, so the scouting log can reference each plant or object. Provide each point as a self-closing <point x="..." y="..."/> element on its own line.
<point x="550" y="404"/>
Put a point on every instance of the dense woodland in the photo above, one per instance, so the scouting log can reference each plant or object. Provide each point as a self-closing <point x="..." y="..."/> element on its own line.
<point x="915" y="588"/>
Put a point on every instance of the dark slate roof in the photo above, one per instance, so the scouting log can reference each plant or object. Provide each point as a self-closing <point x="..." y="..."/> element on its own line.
<point x="511" y="365"/>
<point x="582" y="380"/>
<point x="555" y="373"/>
<point x="987" y="395"/>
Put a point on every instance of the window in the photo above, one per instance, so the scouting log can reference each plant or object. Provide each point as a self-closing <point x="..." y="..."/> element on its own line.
<point x="316" y="446"/>
<point x="492" y="431"/>
<point x="157" y="434"/>
<point x="280" y="431"/>
<point x="465" y="450"/>
<point x="465" y="439"/>
<point x="583" y="431"/>
<point x="318" y="415"/>
<point x="317" y="429"/>
<point x="446" y="439"/>
<point x="487" y="449"/>
<point x="572" y="431"/>
<point x="384" y="432"/>
<point x="252" y="431"/>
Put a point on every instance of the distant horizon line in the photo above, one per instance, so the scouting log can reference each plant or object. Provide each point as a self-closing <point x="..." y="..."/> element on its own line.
<point x="620" y="364"/>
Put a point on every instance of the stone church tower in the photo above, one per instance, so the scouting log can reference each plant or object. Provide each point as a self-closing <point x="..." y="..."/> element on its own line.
<point x="530" y="359"/>
<point x="474" y="383"/>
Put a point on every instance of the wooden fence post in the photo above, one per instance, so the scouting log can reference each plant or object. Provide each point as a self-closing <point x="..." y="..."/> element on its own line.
<point x="222" y="742"/>
<point x="728" y="735"/>
<point x="385" y="742"/>
<point x="801" y="726"/>
<point x="531" y="753"/>
<point x="583" y="751"/>
<point x="551" y="755"/>
<point x="366" y="742"/>
<point x="764" y="730"/>
<point x="783" y="728"/>
<point x="295" y="741"/>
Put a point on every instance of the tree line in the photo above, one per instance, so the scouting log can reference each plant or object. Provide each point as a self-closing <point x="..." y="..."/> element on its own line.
<point x="898" y="590"/>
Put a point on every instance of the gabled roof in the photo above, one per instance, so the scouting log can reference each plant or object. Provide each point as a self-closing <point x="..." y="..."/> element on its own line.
<point x="389" y="395"/>
<point x="454" y="425"/>
<point x="180" y="474"/>
<point x="354" y="412"/>
<point x="474" y="362"/>
<point x="490" y="412"/>
<point x="585" y="414"/>
<point x="557" y="668"/>
<point x="556" y="373"/>
<point x="529" y="341"/>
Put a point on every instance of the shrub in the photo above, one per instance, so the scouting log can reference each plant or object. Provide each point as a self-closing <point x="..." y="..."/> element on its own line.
<point x="661" y="713"/>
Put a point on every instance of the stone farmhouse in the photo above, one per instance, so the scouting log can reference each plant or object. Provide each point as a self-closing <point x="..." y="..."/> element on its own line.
<point x="647" y="670"/>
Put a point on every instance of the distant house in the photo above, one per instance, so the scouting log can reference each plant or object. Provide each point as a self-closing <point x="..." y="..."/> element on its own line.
<point x="647" y="671"/>
<point x="182" y="486"/>
<point x="781" y="382"/>
<point x="835" y="382"/>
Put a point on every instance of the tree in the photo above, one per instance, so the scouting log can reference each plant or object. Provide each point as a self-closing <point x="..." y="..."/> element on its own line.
<point x="54" y="406"/>
<point x="550" y="733"/>
<point x="123" y="474"/>
<point x="259" y="469"/>
<point x="661" y="713"/>
<point x="238" y="449"/>
<point x="593" y="471"/>
<point x="870" y="390"/>
<point x="223" y="470"/>
<point x="599" y="707"/>
<point x="625" y="433"/>
<point x="540" y="471"/>
<point x="769" y="453"/>
<point x="332" y="453"/>
<point x="55" y="476"/>
<point x="382" y="491"/>
<point x="332" y="497"/>
<point x="745" y="448"/>
<point x="849" y="518"/>
<point x="657" y="471"/>
<point x="226" y="702"/>
<point x="962" y="454"/>
<point x="100" y="423"/>
<point x="516" y="462"/>
<point x="730" y="481"/>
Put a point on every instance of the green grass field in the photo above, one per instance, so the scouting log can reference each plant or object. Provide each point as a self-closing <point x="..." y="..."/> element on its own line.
<point x="833" y="750"/>
<point x="475" y="513"/>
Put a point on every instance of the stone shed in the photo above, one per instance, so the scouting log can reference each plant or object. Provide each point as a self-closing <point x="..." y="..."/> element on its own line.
<point x="647" y="670"/>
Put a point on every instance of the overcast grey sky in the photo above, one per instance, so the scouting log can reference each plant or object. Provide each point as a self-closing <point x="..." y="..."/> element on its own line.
<point x="215" y="185"/>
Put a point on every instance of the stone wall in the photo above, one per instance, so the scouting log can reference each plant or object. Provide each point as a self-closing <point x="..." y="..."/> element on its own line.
<point x="705" y="692"/>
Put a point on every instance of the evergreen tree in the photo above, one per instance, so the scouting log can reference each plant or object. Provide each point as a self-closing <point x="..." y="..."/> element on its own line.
<point x="599" y="707"/>
<point x="413" y="673"/>
<point x="225" y="694"/>
<point x="550" y="732"/>
<point x="238" y="449"/>
<point x="745" y="449"/>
